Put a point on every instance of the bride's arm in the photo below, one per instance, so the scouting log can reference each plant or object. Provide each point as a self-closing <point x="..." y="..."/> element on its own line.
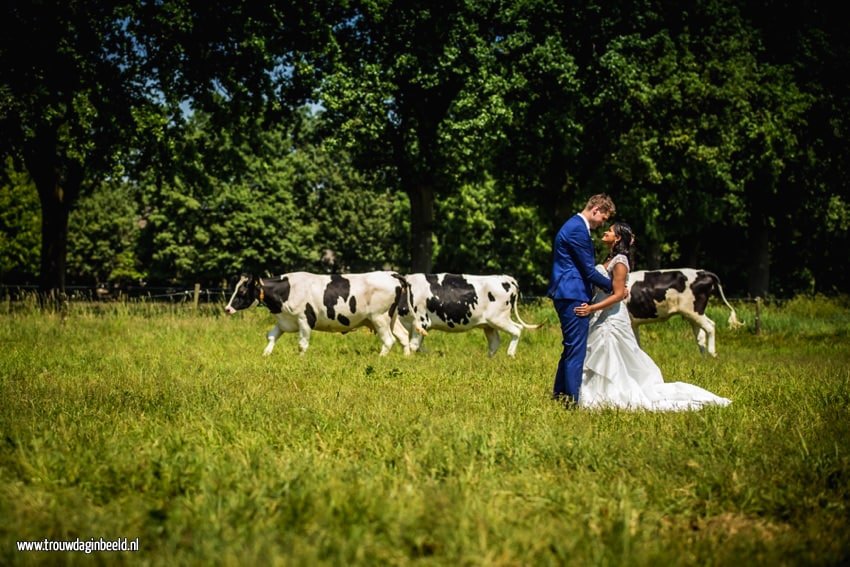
<point x="618" y="282"/>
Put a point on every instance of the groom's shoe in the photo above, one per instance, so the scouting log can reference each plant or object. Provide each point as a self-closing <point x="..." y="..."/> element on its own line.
<point x="565" y="400"/>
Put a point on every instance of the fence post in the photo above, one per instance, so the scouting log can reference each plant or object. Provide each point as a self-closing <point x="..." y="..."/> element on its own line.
<point x="197" y="295"/>
<point x="758" y="315"/>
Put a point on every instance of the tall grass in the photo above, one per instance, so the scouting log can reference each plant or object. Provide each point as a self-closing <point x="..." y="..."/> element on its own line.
<point x="166" y="424"/>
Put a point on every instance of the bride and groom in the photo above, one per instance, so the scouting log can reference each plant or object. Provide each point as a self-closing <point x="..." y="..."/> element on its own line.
<point x="602" y="364"/>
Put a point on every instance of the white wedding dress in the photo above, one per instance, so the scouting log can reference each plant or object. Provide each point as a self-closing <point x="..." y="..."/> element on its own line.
<point x="618" y="374"/>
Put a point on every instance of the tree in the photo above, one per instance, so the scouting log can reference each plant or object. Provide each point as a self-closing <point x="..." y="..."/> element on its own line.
<point x="673" y="111"/>
<point x="539" y="158"/>
<point x="690" y="129"/>
<point x="808" y="212"/>
<point x="70" y="104"/>
<point x="410" y="89"/>
<point x="107" y="85"/>
<point x="360" y="219"/>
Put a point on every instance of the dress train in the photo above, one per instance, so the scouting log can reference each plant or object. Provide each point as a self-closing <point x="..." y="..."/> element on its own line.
<point x="617" y="373"/>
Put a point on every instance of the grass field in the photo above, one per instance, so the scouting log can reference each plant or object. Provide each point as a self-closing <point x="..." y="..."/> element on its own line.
<point x="166" y="425"/>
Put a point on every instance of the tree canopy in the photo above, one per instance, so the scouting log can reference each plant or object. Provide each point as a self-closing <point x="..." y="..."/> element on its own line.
<point x="190" y="140"/>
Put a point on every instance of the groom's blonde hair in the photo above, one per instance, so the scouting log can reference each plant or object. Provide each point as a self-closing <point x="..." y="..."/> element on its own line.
<point x="602" y="201"/>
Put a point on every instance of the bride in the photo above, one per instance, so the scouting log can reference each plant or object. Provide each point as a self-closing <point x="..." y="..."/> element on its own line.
<point x="617" y="373"/>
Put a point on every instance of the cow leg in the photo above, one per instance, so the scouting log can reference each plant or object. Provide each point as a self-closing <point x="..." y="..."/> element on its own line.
<point x="402" y="334"/>
<point x="699" y="335"/>
<point x="304" y="331"/>
<point x="493" y="339"/>
<point x="414" y="337"/>
<point x="272" y="336"/>
<point x="382" y="325"/>
<point x="508" y="326"/>
<point x="410" y="332"/>
<point x="417" y="338"/>
<point x="416" y="342"/>
<point x="703" y="329"/>
<point x="515" y="332"/>
<point x="709" y="331"/>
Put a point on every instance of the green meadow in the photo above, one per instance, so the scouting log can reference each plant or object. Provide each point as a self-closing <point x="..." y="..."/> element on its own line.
<point x="162" y="423"/>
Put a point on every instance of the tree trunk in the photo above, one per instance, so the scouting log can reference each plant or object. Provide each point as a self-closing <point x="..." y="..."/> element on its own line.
<point x="54" y="243"/>
<point x="690" y="252"/>
<point x="559" y="188"/>
<point x="421" y="227"/>
<point x="58" y="188"/>
<point x="759" y="255"/>
<point x="652" y="256"/>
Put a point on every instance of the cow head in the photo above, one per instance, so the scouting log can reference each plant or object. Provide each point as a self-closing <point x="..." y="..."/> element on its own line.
<point x="248" y="292"/>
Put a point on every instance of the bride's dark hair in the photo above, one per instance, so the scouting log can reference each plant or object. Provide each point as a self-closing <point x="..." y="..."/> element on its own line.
<point x="625" y="245"/>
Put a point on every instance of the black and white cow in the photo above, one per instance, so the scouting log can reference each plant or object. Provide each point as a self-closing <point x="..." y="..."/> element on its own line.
<point x="305" y="302"/>
<point x="460" y="302"/>
<point x="657" y="295"/>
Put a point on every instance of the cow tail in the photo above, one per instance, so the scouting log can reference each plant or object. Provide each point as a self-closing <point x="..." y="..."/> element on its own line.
<point x="733" y="321"/>
<point x="401" y="302"/>
<point x="516" y="310"/>
<point x="404" y="302"/>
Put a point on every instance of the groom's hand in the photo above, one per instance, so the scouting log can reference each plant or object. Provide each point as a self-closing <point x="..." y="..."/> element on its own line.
<point x="582" y="310"/>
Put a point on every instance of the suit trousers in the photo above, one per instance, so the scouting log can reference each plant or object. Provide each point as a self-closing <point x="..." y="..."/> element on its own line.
<point x="571" y="365"/>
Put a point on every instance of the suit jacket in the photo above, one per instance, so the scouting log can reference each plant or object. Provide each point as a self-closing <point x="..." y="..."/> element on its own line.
<point x="574" y="267"/>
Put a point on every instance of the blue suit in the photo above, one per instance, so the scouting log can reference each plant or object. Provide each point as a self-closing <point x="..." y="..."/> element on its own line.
<point x="573" y="275"/>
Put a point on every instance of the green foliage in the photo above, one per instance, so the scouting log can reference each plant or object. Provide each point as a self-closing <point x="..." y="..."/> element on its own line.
<point x="182" y="435"/>
<point x="687" y="131"/>
<point x="103" y="237"/>
<point x="364" y="222"/>
<point x="274" y="205"/>
<point x="68" y="106"/>
<point x="716" y="126"/>
<point x="106" y="86"/>
<point x="20" y="222"/>
<point x="540" y="155"/>
<point x="415" y="91"/>
<point x="483" y="230"/>
<point x="229" y="207"/>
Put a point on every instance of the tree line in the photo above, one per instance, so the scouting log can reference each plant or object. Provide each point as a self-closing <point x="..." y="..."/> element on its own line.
<point x="188" y="141"/>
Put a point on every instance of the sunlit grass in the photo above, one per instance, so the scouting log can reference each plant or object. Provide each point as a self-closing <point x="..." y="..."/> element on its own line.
<point x="165" y="424"/>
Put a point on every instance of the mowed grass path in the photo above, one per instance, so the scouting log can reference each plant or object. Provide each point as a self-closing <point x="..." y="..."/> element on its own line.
<point x="168" y="426"/>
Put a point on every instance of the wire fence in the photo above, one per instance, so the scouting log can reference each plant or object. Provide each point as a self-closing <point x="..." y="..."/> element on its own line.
<point x="200" y="294"/>
<point x="166" y="294"/>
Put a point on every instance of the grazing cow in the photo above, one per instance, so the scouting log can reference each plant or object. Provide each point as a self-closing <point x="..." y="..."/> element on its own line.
<point x="304" y="302"/>
<point x="456" y="303"/>
<point x="657" y="295"/>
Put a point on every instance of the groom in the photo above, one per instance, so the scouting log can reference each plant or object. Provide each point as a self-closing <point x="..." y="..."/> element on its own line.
<point x="573" y="272"/>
